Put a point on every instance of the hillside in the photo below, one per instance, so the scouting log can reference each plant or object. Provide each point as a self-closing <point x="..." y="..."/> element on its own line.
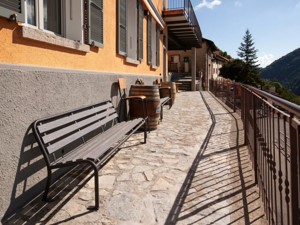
<point x="286" y="70"/>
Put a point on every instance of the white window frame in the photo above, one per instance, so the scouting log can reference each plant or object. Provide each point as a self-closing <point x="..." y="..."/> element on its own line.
<point x="71" y="25"/>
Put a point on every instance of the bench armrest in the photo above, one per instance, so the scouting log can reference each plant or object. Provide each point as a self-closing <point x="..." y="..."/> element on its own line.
<point x="141" y="97"/>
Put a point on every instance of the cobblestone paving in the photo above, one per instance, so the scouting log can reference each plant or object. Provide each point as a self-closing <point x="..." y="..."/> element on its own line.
<point x="221" y="188"/>
<point x="194" y="169"/>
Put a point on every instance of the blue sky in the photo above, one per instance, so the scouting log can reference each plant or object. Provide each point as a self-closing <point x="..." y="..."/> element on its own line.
<point x="274" y="25"/>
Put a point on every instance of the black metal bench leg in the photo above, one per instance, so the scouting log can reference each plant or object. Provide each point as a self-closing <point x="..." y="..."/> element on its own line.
<point x="170" y="100"/>
<point x="48" y="183"/>
<point x="145" y="114"/>
<point x="145" y="131"/>
<point x="96" y="180"/>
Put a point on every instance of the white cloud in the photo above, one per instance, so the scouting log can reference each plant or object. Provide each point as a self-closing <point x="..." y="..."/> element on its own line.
<point x="238" y="3"/>
<point x="210" y="4"/>
<point x="265" y="59"/>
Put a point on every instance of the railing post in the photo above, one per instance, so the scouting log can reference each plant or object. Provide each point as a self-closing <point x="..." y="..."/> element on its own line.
<point x="295" y="164"/>
<point x="246" y="116"/>
<point x="193" y="69"/>
<point x="254" y="138"/>
<point x="234" y="96"/>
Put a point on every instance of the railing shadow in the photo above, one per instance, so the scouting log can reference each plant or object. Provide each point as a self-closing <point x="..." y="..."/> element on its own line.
<point x="61" y="191"/>
<point x="219" y="186"/>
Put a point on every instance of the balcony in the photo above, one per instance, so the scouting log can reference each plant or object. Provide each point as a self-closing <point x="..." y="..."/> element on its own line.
<point x="213" y="160"/>
<point x="183" y="27"/>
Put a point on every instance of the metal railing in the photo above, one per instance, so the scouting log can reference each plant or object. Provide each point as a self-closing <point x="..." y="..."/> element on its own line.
<point x="187" y="6"/>
<point x="272" y="131"/>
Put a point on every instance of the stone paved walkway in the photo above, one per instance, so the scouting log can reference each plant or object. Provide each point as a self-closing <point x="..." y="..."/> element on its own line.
<point x="194" y="169"/>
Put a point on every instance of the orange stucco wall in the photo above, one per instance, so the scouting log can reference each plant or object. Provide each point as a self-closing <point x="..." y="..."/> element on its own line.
<point x="17" y="50"/>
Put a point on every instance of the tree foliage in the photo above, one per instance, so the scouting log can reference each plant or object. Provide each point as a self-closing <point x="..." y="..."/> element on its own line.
<point x="233" y="70"/>
<point x="280" y="91"/>
<point x="246" y="70"/>
<point x="247" y="53"/>
<point x="225" y="54"/>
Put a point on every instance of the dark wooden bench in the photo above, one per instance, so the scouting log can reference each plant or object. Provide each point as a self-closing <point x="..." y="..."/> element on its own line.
<point x="83" y="136"/>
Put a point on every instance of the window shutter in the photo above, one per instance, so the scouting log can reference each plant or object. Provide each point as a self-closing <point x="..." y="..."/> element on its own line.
<point x="74" y="20"/>
<point x="157" y="46"/>
<point x="149" y="39"/>
<point x="140" y="29"/>
<point x="95" y="36"/>
<point x="122" y="33"/>
<point x="10" y="7"/>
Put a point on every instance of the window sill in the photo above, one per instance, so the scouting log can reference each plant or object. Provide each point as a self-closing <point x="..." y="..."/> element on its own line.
<point x="132" y="61"/>
<point x="49" y="38"/>
<point x="154" y="67"/>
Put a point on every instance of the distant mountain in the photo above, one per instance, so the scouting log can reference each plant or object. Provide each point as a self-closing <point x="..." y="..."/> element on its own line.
<point x="286" y="70"/>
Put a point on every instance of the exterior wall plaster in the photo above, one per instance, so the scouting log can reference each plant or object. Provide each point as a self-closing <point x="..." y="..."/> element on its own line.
<point x="21" y="45"/>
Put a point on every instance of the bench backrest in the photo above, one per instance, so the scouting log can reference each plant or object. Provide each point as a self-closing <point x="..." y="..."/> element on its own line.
<point x="59" y="134"/>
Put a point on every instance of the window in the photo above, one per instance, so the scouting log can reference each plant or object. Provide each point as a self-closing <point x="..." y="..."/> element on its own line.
<point x="52" y="15"/>
<point x="31" y="19"/>
<point x="49" y="14"/>
<point x="153" y="42"/>
<point x="130" y="30"/>
<point x="63" y="18"/>
<point x="57" y="16"/>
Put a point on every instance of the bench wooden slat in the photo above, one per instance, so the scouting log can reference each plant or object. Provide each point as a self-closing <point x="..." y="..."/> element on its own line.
<point x="98" y="146"/>
<point x="72" y="117"/>
<point x="111" y="139"/>
<point x="66" y="130"/>
<point x="79" y="154"/>
<point x="58" y="145"/>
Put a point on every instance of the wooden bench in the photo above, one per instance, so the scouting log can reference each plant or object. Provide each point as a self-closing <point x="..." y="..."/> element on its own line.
<point x="83" y="136"/>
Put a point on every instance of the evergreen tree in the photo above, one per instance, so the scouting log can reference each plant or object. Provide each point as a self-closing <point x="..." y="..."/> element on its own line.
<point x="247" y="52"/>
<point x="233" y="70"/>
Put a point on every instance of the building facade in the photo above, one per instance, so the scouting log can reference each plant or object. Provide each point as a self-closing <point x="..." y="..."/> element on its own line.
<point x="102" y="36"/>
<point x="208" y="62"/>
<point x="217" y="63"/>
<point x="58" y="55"/>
